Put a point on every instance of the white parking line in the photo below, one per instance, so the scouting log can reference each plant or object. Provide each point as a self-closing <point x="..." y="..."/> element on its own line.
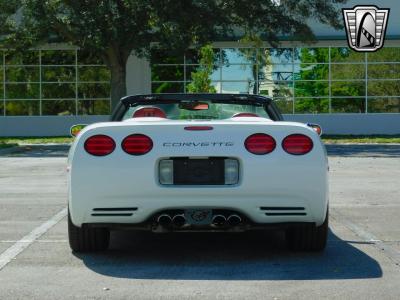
<point x="31" y="237"/>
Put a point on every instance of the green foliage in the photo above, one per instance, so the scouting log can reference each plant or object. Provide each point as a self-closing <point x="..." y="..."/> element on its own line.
<point x="201" y="82"/>
<point x="114" y="29"/>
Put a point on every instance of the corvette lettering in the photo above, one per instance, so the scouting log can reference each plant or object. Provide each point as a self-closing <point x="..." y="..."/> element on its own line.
<point x="198" y="144"/>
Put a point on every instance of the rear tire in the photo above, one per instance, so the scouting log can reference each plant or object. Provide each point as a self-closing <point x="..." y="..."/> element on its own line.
<point x="308" y="238"/>
<point x="86" y="239"/>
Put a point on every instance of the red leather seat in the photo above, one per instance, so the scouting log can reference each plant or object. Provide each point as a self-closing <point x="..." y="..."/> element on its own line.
<point x="151" y="111"/>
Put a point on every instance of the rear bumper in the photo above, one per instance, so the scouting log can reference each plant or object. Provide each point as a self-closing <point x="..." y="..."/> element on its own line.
<point x="270" y="209"/>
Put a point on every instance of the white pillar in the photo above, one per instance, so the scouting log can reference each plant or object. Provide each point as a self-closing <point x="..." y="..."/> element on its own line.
<point x="138" y="75"/>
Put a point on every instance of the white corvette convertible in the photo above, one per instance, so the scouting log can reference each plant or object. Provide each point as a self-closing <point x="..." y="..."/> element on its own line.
<point x="200" y="162"/>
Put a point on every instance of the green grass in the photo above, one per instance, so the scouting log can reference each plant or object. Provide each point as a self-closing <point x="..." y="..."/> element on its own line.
<point x="360" y="139"/>
<point x="6" y="145"/>
<point x="6" y="142"/>
<point x="35" y="140"/>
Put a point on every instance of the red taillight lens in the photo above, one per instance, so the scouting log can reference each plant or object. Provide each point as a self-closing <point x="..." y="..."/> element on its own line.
<point x="137" y="144"/>
<point x="297" y="144"/>
<point x="99" y="145"/>
<point x="260" y="143"/>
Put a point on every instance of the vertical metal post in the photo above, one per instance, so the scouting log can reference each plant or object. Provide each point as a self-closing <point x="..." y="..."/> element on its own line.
<point x="366" y="82"/>
<point x="4" y="83"/>
<point x="76" y="81"/>
<point x="257" y="70"/>
<point x="330" y="80"/>
<point x="40" y="82"/>
<point x="220" y="69"/>
<point x="293" y="83"/>
<point x="184" y="73"/>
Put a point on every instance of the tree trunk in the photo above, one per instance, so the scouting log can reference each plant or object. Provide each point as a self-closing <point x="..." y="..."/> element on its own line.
<point x="118" y="83"/>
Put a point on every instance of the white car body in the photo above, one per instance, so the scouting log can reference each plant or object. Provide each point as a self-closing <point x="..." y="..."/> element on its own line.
<point x="278" y="180"/>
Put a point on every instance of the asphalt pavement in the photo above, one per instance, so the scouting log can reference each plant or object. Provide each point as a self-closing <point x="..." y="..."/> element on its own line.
<point x="362" y="259"/>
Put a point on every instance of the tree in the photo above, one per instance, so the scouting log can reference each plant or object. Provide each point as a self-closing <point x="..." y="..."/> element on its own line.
<point x="116" y="28"/>
<point x="201" y="78"/>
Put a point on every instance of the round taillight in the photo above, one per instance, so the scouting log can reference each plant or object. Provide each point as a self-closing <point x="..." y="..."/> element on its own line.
<point x="297" y="144"/>
<point x="99" y="145"/>
<point x="260" y="143"/>
<point x="137" y="144"/>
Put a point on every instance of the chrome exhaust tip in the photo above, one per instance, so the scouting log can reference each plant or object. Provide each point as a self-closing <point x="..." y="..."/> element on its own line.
<point x="218" y="220"/>
<point x="179" y="220"/>
<point x="234" y="220"/>
<point x="164" y="220"/>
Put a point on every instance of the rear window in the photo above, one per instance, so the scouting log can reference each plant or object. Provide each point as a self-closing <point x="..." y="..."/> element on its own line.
<point x="200" y="110"/>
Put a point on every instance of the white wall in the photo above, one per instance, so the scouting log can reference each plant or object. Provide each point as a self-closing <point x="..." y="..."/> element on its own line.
<point x="360" y="124"/>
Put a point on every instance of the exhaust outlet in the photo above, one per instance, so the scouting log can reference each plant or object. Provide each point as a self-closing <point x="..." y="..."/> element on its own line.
<point x="234" y="220"/>
<point x="164" y="220"/>
<point x="218" y="220"/>
<point x="179" y="220"/>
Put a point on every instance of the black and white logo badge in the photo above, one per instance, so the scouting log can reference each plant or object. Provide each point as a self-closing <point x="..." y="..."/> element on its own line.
<point x="365" y="27"/>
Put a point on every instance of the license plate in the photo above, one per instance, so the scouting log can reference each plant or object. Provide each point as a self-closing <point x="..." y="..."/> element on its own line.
<point x="198" y="216"/>
<point x="208" y="171"/>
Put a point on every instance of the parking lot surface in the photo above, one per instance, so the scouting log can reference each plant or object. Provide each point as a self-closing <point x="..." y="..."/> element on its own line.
<point x="362" y="259"/>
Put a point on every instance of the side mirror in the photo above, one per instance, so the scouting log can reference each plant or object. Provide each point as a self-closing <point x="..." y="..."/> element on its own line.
<point x="316" y="128"/>
<point x="75" y="129"/>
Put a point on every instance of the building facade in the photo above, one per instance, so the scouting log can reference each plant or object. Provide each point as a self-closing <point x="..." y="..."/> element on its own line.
<point x="45" y="91"/>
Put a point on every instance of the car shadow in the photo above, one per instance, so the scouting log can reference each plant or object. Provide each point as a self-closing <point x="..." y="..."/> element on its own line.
<point x="224" y="256"/>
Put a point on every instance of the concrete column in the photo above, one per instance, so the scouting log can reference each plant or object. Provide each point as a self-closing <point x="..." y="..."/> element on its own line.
<point x="138" y="75"/>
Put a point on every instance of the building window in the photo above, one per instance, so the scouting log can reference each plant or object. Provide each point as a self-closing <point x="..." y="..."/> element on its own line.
<point x="301" y="80"/>
<point x="53" y="82"/>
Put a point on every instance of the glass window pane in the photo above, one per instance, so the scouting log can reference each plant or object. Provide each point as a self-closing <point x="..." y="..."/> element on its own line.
<point x="237" y="72"/>
<point x="1" y="108"/>
<point x="344" y="54"/>
<point x="238" y="56"/>
<point x="278" y="55"/>
<point x="25" y="58"/>
<point x="58" y="107"/>
<point x="389" y="71"/>
<point x="58" y="74"/>
<point x="384" y="105"/>
<point x="311" y="105"/>
<point x="348" y="105"/>
<point x="238" y="87"/>
<point x="387" y="54"/>
<point x="89" y="58"/>
<point x="94" y="74"/>
<point x="22" y="74"/>
<point x="311" y="55"/>
<point x="311" y="72"/>
<point x="348" y="88"/>
<point x="22" y="91"/>
<point x="1" y="75"/>
<point x="285" y="105"/>
<point x="348" y="71"/>
<point x="193" y="69"/>
<point x="58" y="57"/>
<point x="159" y="56"/>
<point x="384" y="88"/>
<point x="276" y="89"/>
<point x="311" y="88"/>
<point x="167" y="87"/>
<point x="94" y="107"/>
<point x="93" y="90"/>
<point x="56" y="90"/>
<point x="167" y="73"/>
<point x="22" y="108"/>
<point x="276" y="72"/>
